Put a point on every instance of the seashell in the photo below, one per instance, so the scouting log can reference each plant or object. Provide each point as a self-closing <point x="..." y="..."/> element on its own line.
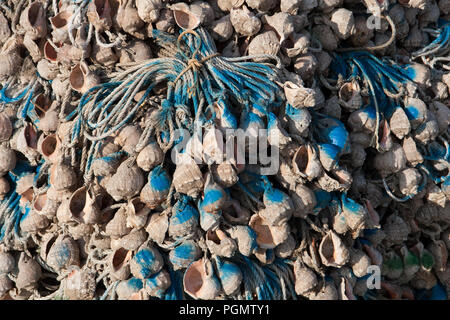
<point x="244" y="21"/>
<point x="10" y="59"/>
<point x="200" y="282"/>
<point x="278" y="207"/>
<point x="305" y="65"/>
<point x="305" y="279"/>
<point x="392" y="266"/>
<point x="306" y="162"/>
<point x="332" y="250"/>
<point x="63" y="253"/>
<point x="157" y="284"/>
<point x="208" y="220"/>
<point x="148" y="10"/>
<point x="132" y="241"/>
<point x="286" y="249"/>
<point x="166" y="21"/>
<point x="359" y="262"/>
<point x="363" y="33"/>
<point x="423" y="280"/>
<point x="130" y="289"/>
<point x="146" y="262"/>
<point x="32" y="221"/>
<point x="304" y="201"/>
<point x="59" y="25"/>
<point x="411" y="262"/>
<point x="7" y="160"/>
<point x="117" y="227"/>
<point x="327" y="292"/>
<point x="5" y="127"/>
<point x="298" y="120"/>
<point x="324" y="34"/>
<point x="184" y="17"/>
<point x="188" y="178"/>
<point x="268" y="236"/>
<point x="264" y="43"/>
<point x="214" y="197"/>
<point x="184" y="254"/>
<point x="222" y="29"/>
<point x="128" y="138"/>
<point x="442" y="113"/>
<point x="297" y="44"/>
<point x="99" y="14"/>
<point x="29" y="272"/>
<point x="245" y="238"/>
<point x="213" y="148"/>
<point x="350" y="95"/>
<point x="391" y="161"/>
<point x="5" y="285"/>
<point x="409" y="180"/>
<point x="128" y="19"/>
<point x="32" y="19"/>
<point x="126" y="183"/>
<point x="103" y="56"/>
<point x="343" y="23"/>
<point x="82" y="79"/>
<point x="80" y="284"/>
<point x="184" y="219"/>
<point x="157" y="188"/>
<point x="440" y="254"/>
<point x="229" y="274"/>
<point x="227" y="5"/>
<point x="399" y="123"/>
<point x="79" y="232"/>
<point x="5" y="31"/>
<point x="84" y="206"/>
<point x="224" y="174"/>
<point x="135" y="51"/>
<point x="427" y="131"/>
<point x="137" y="213"/>
<point x="436" y="196"/>
<point x="413" y="156"/>
<point x="235" y="214"/>
<point x="35" y="49"/>
<point x="7" y="263"/>
<point x="281" y="22"/>
<point x="220" y="244"/>
<point x="300" y="97"/>
<point x="62" y="177"/>
<point x="265" y="256"/>
<point x="157" y="227"/>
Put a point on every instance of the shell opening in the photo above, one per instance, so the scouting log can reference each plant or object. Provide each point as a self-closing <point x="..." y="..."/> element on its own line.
<point x="49" y="145"/>
<point x="76" y="77"/>
<point x="33" y="12"/>
<point x="121" y="257"/>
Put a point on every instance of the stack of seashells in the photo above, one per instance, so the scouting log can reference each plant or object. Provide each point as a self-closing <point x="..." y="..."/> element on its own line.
<point x="101" y="199"/>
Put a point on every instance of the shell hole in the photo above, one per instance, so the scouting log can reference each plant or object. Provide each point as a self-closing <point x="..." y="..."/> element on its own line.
<point x="61" y="19"/>
<point x="49" y="145"/>
<point x="33" y="12"/>
<point x="301" y="158"/>
<point x="76" y="78"/>
<point x="263" y="231"/>
<point x="328" y="249"/>
<point x="121" y="256"/>
<point x="49" y="245"/>
<point x="40" y="202"/>
<point x="50" y="52"/>
<point x="193" y="281"/>
<point x="78" y="202"/>
<point x="30" y="136"/>
<point x="212" y="235"/>
<point x="185" y="20"/>
<point x="101" y="6"/>
<point x="42" y="105"/>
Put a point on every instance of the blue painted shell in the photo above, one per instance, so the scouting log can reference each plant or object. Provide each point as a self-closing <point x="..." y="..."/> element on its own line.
<point x="355" y="213"/>
<point x="323" y="199"/>
<point x="157" y="284"/>
<point x="329" y="155"/>
<point x="229" y="275"/>
<point x="208" y="220"/>
<point x="157" y="188"/>
<point x="146" y="262"/>
<point x="184" y="219"/>
<point x="214" y="197"/>
<point x="127" y="288"/>
<point x="182" y="255"/>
